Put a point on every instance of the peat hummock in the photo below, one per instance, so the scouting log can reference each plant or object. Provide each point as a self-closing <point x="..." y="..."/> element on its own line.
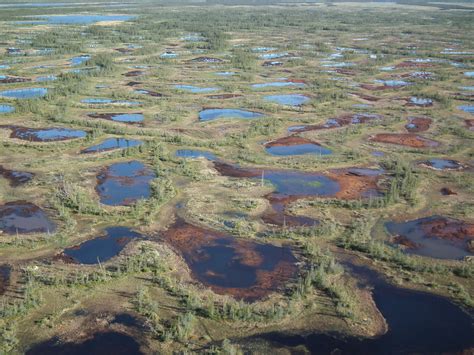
<point x="124" y="183"/>
<point x="240" y="268"/>
<point x="44" y="134"/>
<point x="405" y="139"/>
<point x="436" y="236"/>
<point x="132" y="118"/>
<point x="103" y="248"/>
<point x="101" y="343"/>
<point x="20" y="217"/>
<point x="15" y="177"/>
<point x="111" y="144"/>
<point x="294" y="145"/>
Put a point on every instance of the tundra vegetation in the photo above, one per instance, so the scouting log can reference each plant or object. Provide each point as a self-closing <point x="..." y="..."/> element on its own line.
<point x="153" y="119"/>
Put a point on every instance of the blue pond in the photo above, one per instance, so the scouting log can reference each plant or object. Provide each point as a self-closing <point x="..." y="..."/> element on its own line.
<point x="419" y="101"/>
<point x="83" y="19"/>
<point x="169" y="55"/>
<point x="288" y="100"/>
<point x="467" y="108"/>
<point x="262" y="49"/>
<point x="299" y="149"/>
<point x="30" y="93"/>
<point x="193" y="154"/>
<point x="128" y="117"/>
<point x="443" y="164"/>
<point x="195" y="89"/>
<point x="393" y="83"/>
<point x="469" y="74"/>
<point x="469" y="88"/>
<point x="47" y="134"/>
<point x="4" y="66"/>
<point x="267" y="56"/>
<point x="124" y="183"/>
<point x="102" y="248"/>
<point x="113" y="143"/>
<point x="215" y="113"/>
<point x="79" y="59"/>
<point x="6" y="109"/>
<point x="46" y="78"/>
<point x="225" y="73"/>
<point x="97" y="101"/>
<point x="278" y="84"/>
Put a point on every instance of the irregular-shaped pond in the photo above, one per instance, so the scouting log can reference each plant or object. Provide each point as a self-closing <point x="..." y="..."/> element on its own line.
<point x="294" y="145"/>
<point x="288" y="100"/>
<point x="30" y="93"/>
<point x="101" y="249"/>
<point x="45" y="134"/>
<point x="215" y="113"/>
<point x="195" y="89"/>
<point x="21" y="217"/>
<point x="193" y="154"/>
<point x="111" y="144"/>
<point x="436" y="236"/>
<point x="124" y="183"/>
<point x="241" y="268"/>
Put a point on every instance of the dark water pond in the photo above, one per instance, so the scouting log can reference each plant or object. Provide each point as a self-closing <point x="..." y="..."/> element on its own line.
<point x="15" y="177"/>
<point x="24" y="217"/>
<point x="101" y="343"/>
<point x="30" y="93"/>
<point x="215" y="113"/>
<point x="113" y="143"/>
<point x="435" y="236"/>
<point x="102" y="248"/>
<point x="242" y="268"/>
<point x="192" y="154"/>
<point x="124" y="183"/>
<point x="419" y="323"/>
<point x="5" y="271"/>
<point x="288" y="100"/>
